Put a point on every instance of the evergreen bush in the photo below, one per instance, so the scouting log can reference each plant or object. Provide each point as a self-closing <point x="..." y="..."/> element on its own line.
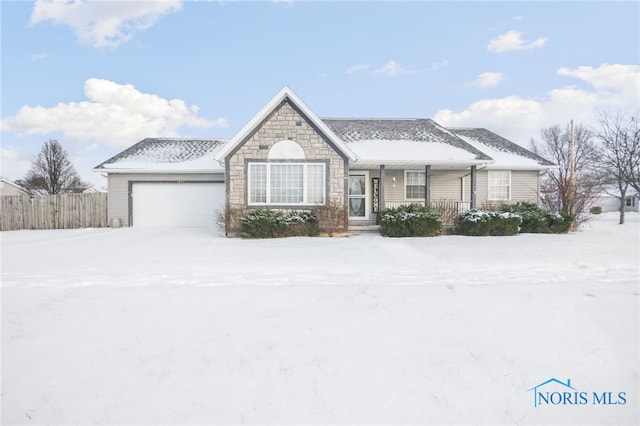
<point x="537" y="220"/>
<point x="262" y="223"/>
<point x="476" y="222"/>
<point x="412" y="220"/>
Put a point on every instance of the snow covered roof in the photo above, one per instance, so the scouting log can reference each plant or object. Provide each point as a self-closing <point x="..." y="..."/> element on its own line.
<point x="404" y="141"/>
<point x="508" y="155"/>
<point x="396" y="143"/>
<point x="163" y="155"/>
<point x="5" y="184"/>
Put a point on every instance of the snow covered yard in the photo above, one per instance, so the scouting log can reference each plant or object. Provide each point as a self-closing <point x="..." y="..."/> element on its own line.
<point x="182" y="326"/>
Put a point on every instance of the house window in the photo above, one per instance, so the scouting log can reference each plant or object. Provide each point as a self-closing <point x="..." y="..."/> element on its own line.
<point x="286" y="183"/>
<point x="414" y="185"/>
<point x="499" y="185"/>
<point x="631" y="202"/>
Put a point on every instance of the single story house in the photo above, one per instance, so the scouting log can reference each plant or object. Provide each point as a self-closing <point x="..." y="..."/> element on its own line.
<point x="609" y="200"/>
<point x="9" y="188"/>
<point x="286" y="157"/>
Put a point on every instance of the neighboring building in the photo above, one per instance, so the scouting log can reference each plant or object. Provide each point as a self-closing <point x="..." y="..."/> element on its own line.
<point x="288" y="158"/>
<point x="609" y="200"/>
<point x="9" y="188"/>
<point x="94" y="190"/>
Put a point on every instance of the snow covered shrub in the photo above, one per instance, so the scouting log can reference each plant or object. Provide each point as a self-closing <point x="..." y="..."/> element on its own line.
<point x="537" y="220"/>
<point x="476" y="222"/>
<point x="262" y="223"/>
<point x="413" y="220"/>
<point x="595" y="210"/>
<point x="300" y="223"/>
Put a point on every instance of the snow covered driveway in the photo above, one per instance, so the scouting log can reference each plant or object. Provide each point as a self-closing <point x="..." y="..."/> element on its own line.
<point x="182" y="326"/>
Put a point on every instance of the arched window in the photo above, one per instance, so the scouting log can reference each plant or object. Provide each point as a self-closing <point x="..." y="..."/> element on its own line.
<point x="284" y="180"/>
<point x="286" y="150"/>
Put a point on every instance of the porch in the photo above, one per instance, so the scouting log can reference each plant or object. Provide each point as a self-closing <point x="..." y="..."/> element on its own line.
<point x="447" y="208"/>
<point x="448" y="190"/>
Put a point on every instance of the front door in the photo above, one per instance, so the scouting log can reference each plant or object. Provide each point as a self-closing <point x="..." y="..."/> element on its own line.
<point x="358" y="195"/>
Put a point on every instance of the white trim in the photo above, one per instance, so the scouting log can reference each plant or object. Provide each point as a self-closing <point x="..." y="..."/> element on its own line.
<point x="405" y="183"/>
<point x="367" y="196"/>
<point x="489" y="185"/>
<point x="159" y="171"/>
<point x="304" y="165"/>
<point x="410" y="163"/>
<point x="283" y="94"/>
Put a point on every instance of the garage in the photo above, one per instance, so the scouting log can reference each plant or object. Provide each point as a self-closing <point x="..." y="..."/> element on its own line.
<point x="176" y="204"/>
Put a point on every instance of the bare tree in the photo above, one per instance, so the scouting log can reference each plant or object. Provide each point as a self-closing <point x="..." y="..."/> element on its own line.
<point x="52" y="172"/>
<point x="557" y="191"/>
<point x="619" y="135"/>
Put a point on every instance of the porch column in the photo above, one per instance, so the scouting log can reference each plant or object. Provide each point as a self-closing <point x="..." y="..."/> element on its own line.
<point x="473" y="187"/>
<point x="427" y="186"/>
<point x="381" y="205"/>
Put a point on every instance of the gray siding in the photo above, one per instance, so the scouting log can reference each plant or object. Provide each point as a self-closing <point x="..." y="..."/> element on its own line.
<point x="524" y="186"/>
<point x="394" y="191"/>
<point x="482" y="187"/>
<point x="119" y="188"/>
<point x="447" y="185"/>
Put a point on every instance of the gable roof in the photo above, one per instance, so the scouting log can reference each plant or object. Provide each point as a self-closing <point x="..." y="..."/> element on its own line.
<point x="404" y="141"/>
<point x="164" y="155"/>
<point x="13" y="185"/>
<point x="506" y="153"/>
<point x="283" y="95"/>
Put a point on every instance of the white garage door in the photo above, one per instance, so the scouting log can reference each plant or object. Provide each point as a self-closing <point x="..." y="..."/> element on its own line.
<point x="176" y="204"/>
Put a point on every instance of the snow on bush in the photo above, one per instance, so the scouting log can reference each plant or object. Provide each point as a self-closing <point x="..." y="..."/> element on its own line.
<point x="476" y="222"/>
<point x="413" y="220"/>
<point x="536" y="220"/>
<point x="262" y="223"/>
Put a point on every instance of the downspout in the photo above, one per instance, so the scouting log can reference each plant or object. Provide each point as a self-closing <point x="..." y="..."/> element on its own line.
<point x="473" y="187"/>
<point x="427" y="186"/>
<point x="381" y="205"/>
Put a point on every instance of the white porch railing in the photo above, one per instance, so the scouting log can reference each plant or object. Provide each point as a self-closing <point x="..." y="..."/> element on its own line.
<point x="455" y="207"/>
<point x="448" y="209"/>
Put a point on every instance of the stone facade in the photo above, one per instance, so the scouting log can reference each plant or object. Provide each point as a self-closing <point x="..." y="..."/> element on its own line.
<point x="285" y="123"/>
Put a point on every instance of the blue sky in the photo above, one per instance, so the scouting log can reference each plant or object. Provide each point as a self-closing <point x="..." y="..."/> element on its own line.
<point x="100" y="76"/>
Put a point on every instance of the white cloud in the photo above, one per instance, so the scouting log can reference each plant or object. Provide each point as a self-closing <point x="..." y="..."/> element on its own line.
<point x="487" y="79"/>
<point x="512" y="40"/>
<point x="13" y="164"/>
<point x="103" y="23"/>
<point x="115" y="115"/>
<point x="519" y="119"/>
<point x="607" y="79"/>
<point x="392" y="68"/>
<point x="357" y="68"/>
<point x="439" y="64"/>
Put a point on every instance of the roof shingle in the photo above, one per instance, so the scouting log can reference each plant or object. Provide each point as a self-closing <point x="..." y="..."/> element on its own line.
<point x="411" y="130"/>
<point x="158" y="151"/>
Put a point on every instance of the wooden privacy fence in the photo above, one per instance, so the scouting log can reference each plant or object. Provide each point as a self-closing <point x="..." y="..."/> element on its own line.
<point x="61" y="211"/>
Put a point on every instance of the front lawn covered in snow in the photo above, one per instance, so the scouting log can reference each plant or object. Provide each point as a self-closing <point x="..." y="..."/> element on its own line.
<point x="183" y="326"/>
